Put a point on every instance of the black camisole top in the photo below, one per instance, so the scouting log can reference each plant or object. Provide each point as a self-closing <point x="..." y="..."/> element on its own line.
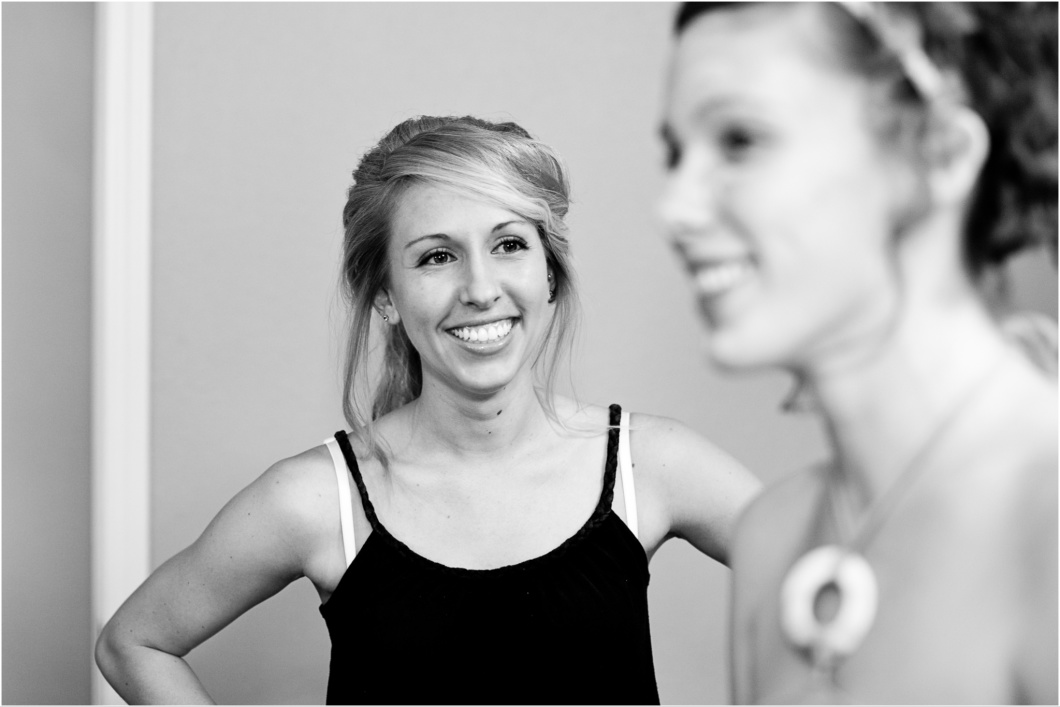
<point x="570" y="626"/>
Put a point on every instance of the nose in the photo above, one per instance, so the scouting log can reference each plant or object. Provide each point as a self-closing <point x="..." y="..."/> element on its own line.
<point x="688" y="205"/>
<point x="481" y="287"/>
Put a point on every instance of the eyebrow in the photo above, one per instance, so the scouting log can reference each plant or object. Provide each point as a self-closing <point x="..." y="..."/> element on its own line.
<point x="703" y="109"/>
<point x="414" y="241"/>
<point x="446" y="237"/>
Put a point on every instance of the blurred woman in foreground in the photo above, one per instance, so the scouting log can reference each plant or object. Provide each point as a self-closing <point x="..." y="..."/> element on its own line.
<point x="842" y="178"/>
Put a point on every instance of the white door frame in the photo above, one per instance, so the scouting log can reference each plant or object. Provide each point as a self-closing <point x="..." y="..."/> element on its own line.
<point x="121" y="309"/>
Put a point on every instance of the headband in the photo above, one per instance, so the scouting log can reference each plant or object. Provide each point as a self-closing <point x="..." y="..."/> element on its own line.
<point x="899" y="36"/>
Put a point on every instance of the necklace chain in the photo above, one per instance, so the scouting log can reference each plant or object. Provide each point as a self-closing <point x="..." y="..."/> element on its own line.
<point x="879" y="509"/>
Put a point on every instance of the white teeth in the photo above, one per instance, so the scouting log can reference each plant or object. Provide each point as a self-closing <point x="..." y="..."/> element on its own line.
<point x="486" y="333"/>
<point x="714" y="279"/>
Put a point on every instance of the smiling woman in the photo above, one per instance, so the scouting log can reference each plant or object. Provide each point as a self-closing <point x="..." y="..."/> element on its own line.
<point x="474" y="293"/>
<point x="461" y="535"/>
<point x="500" y="165"/>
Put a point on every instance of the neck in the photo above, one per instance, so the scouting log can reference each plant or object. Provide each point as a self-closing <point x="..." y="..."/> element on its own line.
<point x="885" y="404"/>
<point x="476" y="426"/>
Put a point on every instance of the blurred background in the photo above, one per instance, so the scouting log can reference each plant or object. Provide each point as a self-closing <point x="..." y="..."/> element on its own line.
<point x="258" y="114"/>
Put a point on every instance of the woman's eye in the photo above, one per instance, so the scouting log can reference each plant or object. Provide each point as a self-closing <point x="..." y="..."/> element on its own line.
<point x="511" y="245"/>
<point x="736" y="142"/>
<point x="436" y="257"/>
<point x="672" y="154"/>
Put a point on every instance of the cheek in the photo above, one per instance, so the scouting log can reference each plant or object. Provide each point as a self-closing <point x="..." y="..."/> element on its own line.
<point x="408" y="297"/>
<point x="828" y="218"/>
<point x="527" y="280"/>
<point x="421" y="303"/>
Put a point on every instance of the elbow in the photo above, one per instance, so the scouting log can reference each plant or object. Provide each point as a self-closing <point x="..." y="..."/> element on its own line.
<point x="108" y="652"/>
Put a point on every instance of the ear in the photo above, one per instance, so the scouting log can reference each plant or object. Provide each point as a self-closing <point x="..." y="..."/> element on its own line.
<point x="385" y="306"/>
<point x="956" y="148"/>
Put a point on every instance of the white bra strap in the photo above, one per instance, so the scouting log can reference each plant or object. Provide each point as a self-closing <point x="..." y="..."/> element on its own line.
<point x="625" y="465"/>
<point x="342" y="476"/>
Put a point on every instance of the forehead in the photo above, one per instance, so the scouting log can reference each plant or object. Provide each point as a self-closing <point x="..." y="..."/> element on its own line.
<point x="425" y="208"/>
<point x="763" y="55"/>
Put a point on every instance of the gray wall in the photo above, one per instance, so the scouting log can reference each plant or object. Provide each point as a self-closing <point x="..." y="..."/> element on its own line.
<point x="47" y="133"/>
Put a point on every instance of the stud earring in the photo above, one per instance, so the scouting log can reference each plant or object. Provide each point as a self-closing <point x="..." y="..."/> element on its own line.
<point x="385" y="317"/>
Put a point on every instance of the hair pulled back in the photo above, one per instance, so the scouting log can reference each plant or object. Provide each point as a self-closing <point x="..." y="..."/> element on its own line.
<point x="1004" y="55"/>
<point x="496" y="162"/>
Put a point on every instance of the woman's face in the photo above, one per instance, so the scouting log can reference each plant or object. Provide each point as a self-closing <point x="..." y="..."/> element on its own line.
<point x="469" y="281"/>
<point x="779" y="197"/>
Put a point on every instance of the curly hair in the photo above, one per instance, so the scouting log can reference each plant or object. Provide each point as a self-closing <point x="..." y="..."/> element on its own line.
<point x="1005" y="58"/>
<point x="496" y="162"/>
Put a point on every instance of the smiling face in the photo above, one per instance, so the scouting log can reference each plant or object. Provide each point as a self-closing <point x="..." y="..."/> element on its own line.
<point x="469" y="282"/>
<point x="780" y="197"/>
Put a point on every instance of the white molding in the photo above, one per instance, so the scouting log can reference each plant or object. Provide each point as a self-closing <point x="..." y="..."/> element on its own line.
<point x="121" y="306"/>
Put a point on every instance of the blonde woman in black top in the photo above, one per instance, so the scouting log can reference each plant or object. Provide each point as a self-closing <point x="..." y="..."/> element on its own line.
<point x="474" y="538"/>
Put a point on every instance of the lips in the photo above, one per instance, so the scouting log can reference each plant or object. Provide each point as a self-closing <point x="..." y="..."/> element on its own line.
<point x="485" y="333"/>
<point x="718" y="277"/>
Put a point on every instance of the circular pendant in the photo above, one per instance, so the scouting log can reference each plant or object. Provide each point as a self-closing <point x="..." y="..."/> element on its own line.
<point x="828" y="575"/>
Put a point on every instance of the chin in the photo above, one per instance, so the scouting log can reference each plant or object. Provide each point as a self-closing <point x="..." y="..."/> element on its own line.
<point x="483" y="389"/>
<point x="484" y="384"/>
<point x="735" y="352"/>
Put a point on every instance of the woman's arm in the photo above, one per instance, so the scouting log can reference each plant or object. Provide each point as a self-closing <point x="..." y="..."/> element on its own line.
<point x="698" y="490"/>
<point x="259" y="542"/>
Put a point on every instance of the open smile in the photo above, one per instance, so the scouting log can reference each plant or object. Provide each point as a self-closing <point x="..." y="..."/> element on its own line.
<point x="486" y="333"/>
<point x="716" y="278"/>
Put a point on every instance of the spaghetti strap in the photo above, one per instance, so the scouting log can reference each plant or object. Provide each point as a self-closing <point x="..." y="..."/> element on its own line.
<point x="349" y="545"/>
<point x="351" y="462"/>
<point x="607" y="495"/>
<point x="625" y="463"/>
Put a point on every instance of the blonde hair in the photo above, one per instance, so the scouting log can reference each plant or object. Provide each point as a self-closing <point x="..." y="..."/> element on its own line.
<point x="497" y="162"/>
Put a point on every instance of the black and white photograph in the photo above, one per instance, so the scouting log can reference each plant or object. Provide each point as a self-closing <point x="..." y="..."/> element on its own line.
<point x="529" y="353"/>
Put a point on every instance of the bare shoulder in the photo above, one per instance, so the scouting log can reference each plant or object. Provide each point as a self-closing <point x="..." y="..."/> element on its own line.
<point x="768" y="537"/>
<point x="1035" y="474"/>
<point x="677" y="455"/>
<point x="665" y="443"/>
<point x="784" y="503"/>
<point x="700" y="489"/>
<point x="300" y="494"/>
<point x="299" y="478"/>
<point x="1021" y="466"/>
<point x="1027" y="446"/>
<point x="1014" y="447"/>
<point x="777" y="518"/>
